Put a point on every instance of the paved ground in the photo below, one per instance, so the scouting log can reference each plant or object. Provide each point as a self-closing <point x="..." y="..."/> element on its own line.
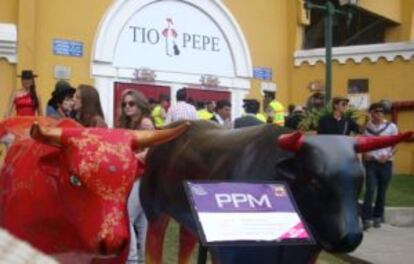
<point x="385" y="245"/>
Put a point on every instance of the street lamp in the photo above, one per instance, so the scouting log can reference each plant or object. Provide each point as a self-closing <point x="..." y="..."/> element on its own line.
<point x="330" y="11"/>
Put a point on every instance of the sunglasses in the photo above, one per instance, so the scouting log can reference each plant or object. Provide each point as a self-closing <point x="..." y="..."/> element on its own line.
<point x="129" y="103"/>
<point x="344" y="104"/>
<point x="378" y="111"/>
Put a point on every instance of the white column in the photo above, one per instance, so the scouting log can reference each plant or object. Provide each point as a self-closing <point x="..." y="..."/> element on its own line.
<point x="237" y="97"/>
<point x="105" y="87"/>
<point x="174" y="88"/>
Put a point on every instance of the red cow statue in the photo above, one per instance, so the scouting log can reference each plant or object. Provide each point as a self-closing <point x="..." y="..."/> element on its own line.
<point x="65" y="189"/>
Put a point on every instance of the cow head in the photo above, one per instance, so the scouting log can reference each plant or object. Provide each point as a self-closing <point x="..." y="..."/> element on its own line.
<point x="94" y="170"/>
<point x="326" y="176"/>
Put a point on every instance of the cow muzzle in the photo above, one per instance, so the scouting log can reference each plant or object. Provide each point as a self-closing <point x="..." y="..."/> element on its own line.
<point x="112" y="246"/>
<point x="347" y="244"/>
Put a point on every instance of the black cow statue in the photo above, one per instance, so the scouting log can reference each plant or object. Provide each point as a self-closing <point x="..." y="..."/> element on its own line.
<point x="323" y="173"/>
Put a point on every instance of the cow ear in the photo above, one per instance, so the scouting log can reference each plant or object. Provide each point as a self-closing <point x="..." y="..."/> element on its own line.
<point x="287" y="169"/>
<point x="50" y="163"/>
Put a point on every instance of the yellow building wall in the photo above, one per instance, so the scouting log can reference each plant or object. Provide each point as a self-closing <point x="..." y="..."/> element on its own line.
<point x="271" y="29"/>
<point x="386" y="8"/>
<point x="75" y="20"/>
<point x="387" y="80"/>
<point x="264" y="24"/>
<point x="404" y="31"/>
<point x="8" y="14"/>
<point x="404" y="161"/>
<point x="7" y="82"/>
<point x="7" y="78"/>
<point x="39" y="22"/>
<point x="8" y="11"/>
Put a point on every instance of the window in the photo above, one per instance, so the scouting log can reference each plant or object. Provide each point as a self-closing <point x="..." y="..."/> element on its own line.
<point x="359" y="27"/>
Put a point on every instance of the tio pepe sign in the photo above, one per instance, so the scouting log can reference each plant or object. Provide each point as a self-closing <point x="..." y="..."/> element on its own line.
<point x="174" y="36"/>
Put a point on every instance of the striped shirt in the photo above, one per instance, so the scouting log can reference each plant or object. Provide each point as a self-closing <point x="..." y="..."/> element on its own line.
<point x="181" y="111"/>
<point x="384" y="129"/>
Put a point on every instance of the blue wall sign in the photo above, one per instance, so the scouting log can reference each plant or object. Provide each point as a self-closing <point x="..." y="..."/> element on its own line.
<point x="262" y="73"/>
<point x="67" y="48"/>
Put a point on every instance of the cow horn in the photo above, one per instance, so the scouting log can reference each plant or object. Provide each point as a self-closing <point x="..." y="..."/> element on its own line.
<point x="149" y="138"/>
<point x="291" y="142"/>
<point x="49" y="136"/>
<point x="364" y="144"/>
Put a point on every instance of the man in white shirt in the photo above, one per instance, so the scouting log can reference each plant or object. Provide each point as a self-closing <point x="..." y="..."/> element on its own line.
<point x="222" y="115"/>
<point x="378" y="167"/>
<point x="182" y="110"/>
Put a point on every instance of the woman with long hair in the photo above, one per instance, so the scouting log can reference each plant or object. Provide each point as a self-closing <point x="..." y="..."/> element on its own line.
<point x="88" y="107"/>
<point x="25" y="100"/>
<point x="136" y="114"/>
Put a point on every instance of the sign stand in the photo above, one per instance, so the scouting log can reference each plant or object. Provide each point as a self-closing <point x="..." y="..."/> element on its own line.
<point x="202" y="254"/>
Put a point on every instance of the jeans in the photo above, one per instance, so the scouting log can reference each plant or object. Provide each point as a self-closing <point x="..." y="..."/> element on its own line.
<point x="378" y="176"/>
<point x="138" y="227"/>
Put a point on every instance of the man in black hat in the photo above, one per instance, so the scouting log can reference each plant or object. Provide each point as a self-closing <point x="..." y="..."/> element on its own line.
<point x="61" y="103"/>
<point x="336" y="123"/>
<point x="251" y="107"/>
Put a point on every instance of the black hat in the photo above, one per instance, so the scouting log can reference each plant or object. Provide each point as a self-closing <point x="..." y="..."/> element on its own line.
<point x="27" y="74"/>
<point x="249" y="101"/>
<point x="62" y="89"/>
<point x="376" y="106"/>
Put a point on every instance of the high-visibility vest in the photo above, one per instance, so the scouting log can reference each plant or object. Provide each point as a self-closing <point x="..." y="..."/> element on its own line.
<point x="279" y="110"/>
<point x="262" y="117"/>
<point x="204" y="114"/>
<point x="156" y="115"/>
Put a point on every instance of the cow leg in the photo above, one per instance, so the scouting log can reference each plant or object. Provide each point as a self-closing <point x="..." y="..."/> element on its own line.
<point x="155" y="239"/>
<point x="187" y="244"/>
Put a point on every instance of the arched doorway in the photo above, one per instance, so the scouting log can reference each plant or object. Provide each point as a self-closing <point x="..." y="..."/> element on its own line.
<point x="195" y="44"/>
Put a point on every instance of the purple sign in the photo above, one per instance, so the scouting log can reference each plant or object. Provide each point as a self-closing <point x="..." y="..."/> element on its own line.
<point x="243" y="212"/>
<point x="243" y="197"/>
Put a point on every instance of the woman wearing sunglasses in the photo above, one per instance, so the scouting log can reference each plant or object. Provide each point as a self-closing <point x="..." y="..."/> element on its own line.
<point x="136" y="114"/>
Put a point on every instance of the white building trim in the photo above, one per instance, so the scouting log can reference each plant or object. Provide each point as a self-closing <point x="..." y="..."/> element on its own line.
<point x="105" y="73"/>
<point x="388" y="51"/>
<point x="8" y="42"/>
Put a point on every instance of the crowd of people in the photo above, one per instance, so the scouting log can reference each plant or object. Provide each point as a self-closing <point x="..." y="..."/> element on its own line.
<point x="137" y="112"/>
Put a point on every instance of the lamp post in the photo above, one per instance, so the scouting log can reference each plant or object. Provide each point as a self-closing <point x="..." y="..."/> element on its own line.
<point x="330" y="11"/>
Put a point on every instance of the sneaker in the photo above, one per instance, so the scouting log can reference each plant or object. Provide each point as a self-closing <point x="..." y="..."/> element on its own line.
<point x="377" y="222"/>
<point x="366" y="225"/>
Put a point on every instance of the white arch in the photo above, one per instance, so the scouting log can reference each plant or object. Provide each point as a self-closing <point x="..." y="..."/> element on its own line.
<point x="112" y="24"/>
<point x="119" y="13"/>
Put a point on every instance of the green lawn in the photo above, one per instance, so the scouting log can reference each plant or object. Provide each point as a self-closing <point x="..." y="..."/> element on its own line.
<point x="401" y="191"/>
